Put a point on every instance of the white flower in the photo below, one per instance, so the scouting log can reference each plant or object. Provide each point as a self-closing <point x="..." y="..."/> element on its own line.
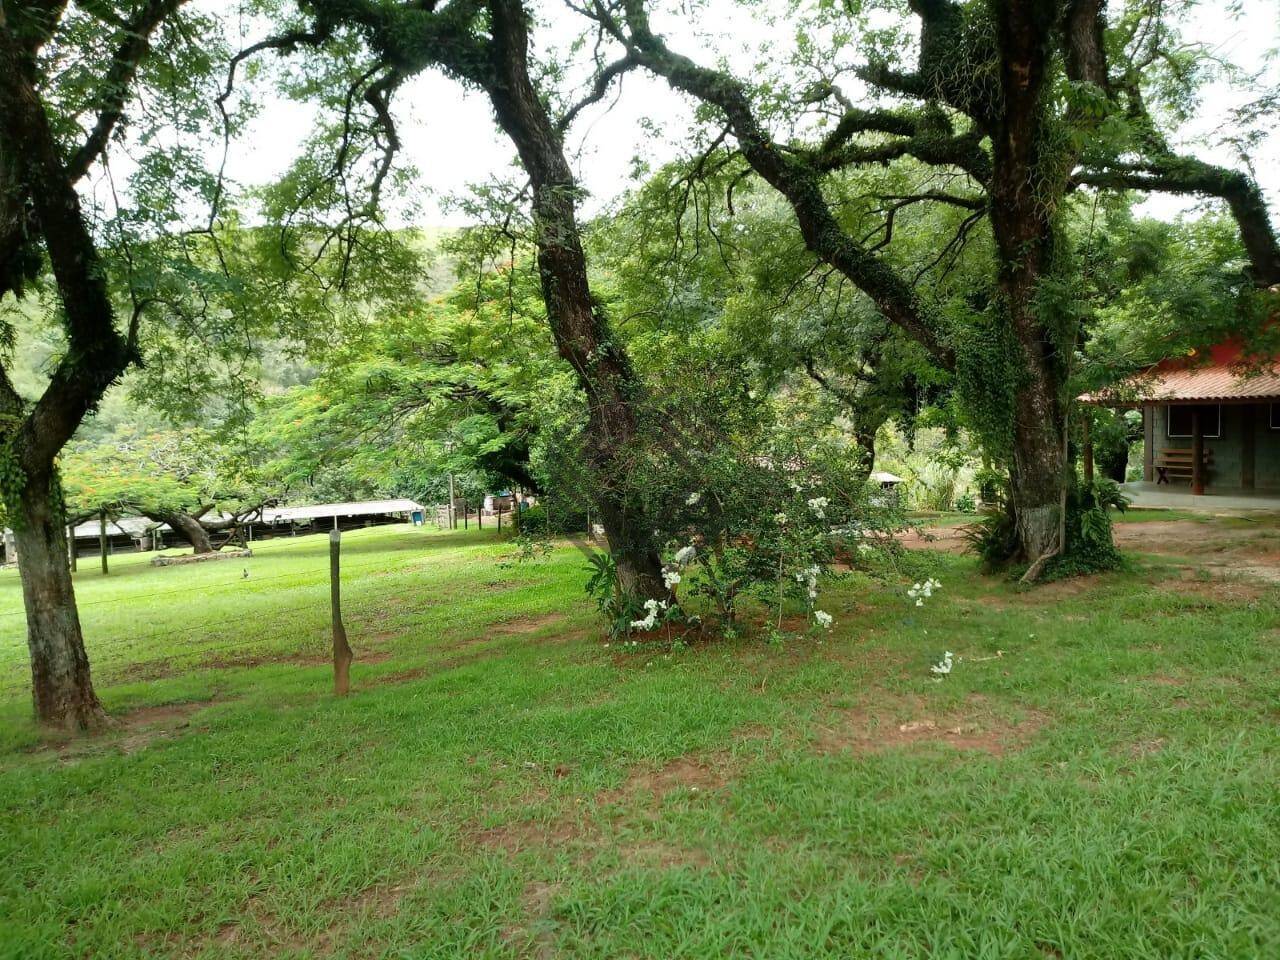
<point x="809" y="577"/>
<point x="670" y="578"/>
<point x="823" y="618"/>
<point x="651" y="618"/>
<point x="942" y="667"/>
<point x="920" y="592"/>
<point x="819" y="507"/>
<point x="685" y="555"/>
<point x="780" y="518"/>
<point x="693" y="499"/>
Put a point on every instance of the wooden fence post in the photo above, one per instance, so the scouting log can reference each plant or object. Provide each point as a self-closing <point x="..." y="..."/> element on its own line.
<point x="71" y="547"/>
<point x="102" y="540"/>
<point x="341" y="649"/>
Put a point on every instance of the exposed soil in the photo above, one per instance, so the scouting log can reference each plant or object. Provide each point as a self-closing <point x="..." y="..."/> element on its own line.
<point x="127" y="733"/>
<point x="943" y="539"/>
<point x="683" y="773"/>
<point x="861" y="730"/>
<point x="523" y="625"/>
<point x="1244" y="552"/>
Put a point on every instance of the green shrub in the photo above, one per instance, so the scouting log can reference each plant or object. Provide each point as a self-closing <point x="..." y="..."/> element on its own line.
<point x="549" y="520"/>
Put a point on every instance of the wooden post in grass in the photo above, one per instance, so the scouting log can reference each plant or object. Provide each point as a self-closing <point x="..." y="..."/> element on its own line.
<point x="341" y="649"/>
<point x="102" y="540"/>
<point x="71" y="547"/>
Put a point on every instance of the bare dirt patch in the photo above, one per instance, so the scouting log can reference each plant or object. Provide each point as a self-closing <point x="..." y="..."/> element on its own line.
<point x="381" y="901"/>
<point x="1221" y="583"/>
<point x="862" y="730"/>
<point x="127" y="733"/>
<point x="942" y="539"/>
<point x="146" y="726"/>
<point x="683" y="773"/>
<point x="534" y="834"/>
<point x="525" y="625"/>
<point x="264" y="927"/>
<point x="1145" y="748"/>
<point x="1222" y="550"/>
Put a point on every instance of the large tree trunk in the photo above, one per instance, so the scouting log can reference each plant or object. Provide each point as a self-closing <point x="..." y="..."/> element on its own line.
<point x="96" y="356"/>
<point x="1038" y="473"/>
<point x="188" y="528"/>
<point x="580" y="330"/>
<point x="62" y="691"/>
<point x="1025" y="188"/>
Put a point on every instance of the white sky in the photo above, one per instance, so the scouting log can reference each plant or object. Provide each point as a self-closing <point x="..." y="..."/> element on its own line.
<point x="450" y="137"/>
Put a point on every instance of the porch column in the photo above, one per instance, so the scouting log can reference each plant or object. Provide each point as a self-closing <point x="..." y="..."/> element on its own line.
<point x="1197" y="453"/>
<point x="1247" y="439"/>
<point x="1148" y="442"/>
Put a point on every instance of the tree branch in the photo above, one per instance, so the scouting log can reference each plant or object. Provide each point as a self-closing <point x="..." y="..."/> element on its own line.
<point x="1189" y="175"/>
<point x="118" y="82"/>
<point x="795" y="177"/>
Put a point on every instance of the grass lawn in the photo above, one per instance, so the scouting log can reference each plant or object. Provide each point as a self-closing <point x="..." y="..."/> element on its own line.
<point x="1096" y="778"/>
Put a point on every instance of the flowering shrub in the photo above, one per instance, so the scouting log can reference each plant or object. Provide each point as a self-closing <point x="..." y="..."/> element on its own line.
<point x="751" y="494"/>
<point x="920" y="592"/>
<point x="751" y="511"/>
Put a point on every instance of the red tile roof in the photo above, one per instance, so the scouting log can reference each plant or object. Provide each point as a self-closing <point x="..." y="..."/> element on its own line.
<point x="1227" y="374"/>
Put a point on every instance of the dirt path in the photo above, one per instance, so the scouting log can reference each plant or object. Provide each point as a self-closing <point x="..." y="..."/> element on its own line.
<point x="1239" y="546"/>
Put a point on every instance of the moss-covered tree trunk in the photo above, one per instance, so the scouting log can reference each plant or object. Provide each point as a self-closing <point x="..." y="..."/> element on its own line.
<point x="38" y="177"/>
<point x="61" y="689"/>
<point x="580" y="330"/>
<point x="1028" y="181"/>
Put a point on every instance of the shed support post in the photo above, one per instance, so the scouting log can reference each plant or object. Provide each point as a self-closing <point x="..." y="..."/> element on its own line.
<point x="102" y="540"/>
<point x="1197" y="453"/>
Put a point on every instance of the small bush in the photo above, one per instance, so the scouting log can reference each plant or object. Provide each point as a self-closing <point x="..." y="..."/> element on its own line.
<point x="543" y="521"/>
